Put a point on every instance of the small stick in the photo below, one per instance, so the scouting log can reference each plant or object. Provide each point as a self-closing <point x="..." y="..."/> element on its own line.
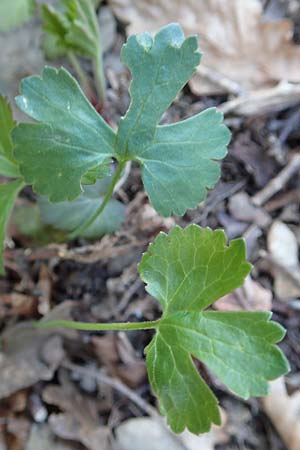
<point x="283" y="269"/>
<point x="278" y="182"/>
<point x="123" y="389"/>
<point x="115" y="384"/>
<point x="230" y="86"/>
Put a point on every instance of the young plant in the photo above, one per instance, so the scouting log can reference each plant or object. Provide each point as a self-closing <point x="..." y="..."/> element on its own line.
<point x="72" y="145"/>
<point x="72" y="30"/>
<point x="186" y="271"/>
<point x="8" y="168"/>
<point x="71" y="140"/>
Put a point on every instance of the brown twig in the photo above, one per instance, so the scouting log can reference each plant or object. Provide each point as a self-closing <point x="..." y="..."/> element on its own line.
<point x="292" y="196"/>
<point x="125" y="390"/>
<point x="278" y="182"/>
<point x="295" y="279"/>
<point x="128" y="295"/>
<point x="230" y="86"/>
<point x="115" y="384"/>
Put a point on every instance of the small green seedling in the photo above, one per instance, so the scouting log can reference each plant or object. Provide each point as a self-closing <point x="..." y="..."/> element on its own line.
<point x="72" y="146"/>
<point x="186" y="271"/>
<point x="71" y="30"/>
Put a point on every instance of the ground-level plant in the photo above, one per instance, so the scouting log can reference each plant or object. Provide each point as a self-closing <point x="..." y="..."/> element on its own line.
<point x="71" y="146"/>
<point x="186" y="271"/>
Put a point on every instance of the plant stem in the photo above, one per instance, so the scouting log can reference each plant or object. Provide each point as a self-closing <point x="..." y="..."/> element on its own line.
<point x="81" y="75"/>
<point x="106" y="199"/>
<point x="99" y="74"/>
<point x="85" y="326"/>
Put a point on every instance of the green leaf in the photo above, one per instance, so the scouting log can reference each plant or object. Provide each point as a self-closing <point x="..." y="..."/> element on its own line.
<point x="178" y="161"/>
<point x="179" y="165"/>
<point x="160" y="67"/>
<point x="187" y="271"/>
<point x="73" y="27"/>
<point x="27" y="219"/>
<point x="184" y="397"/>
<point x="72" y="138"/>
<point x="14" y="13"/>
<point x="8" y="194"/>
<point x="8" y="165"/>
<point x="97" y="173"/>
<point x="68" y="216"/>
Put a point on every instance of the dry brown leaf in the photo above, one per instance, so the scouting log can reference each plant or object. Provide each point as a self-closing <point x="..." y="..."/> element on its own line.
<point x="264" y="101"/>
<point x="147" y="434"/>
<point x="79" y="420"/>
<point x="283" y="248"/>
<point x="26" y="366"/>
<point x="242" y="208"/>
<point x="237" y="44"/>
<point x="66" y="426"/>
<point x="251" y="296"/>
<point x="42" y="438"/>
<point x="28" y="354"/>
<point x="284" y="412"/>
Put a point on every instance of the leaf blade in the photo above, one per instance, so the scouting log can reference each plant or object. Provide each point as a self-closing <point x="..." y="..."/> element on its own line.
<point x="180" y="165"/>
<point x="184" y="397"/>
<point x="238" y="347"/>
<point x="8" y="165"/>
<point x="70" y="140"/>
<point x="8" y="194"/>
<point x="187" y="270"/>
<point x="160" y="67"/>
<point x="176" y="170"/>
<point x="185" y="256"/>
<point x="68" y="216"/>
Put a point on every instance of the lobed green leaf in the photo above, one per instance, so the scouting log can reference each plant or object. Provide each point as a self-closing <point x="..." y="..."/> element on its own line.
<point x="190" y="268"/>
<point x="186" y="271"/>
<point x="179" y="164"/>
<point x="70" y="140"/>
<point x="178" y="161"/>
<point x="73" y="27"/>
<point x="68" y="216"/>
<point x="160" y="67"/>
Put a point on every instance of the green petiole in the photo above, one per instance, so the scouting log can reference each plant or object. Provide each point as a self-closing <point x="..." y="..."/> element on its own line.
<point x="101" y="208"/>
<point x="84" y="326"/>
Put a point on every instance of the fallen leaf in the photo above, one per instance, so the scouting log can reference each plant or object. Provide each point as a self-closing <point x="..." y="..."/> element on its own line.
<point x="284" y="412"/>
<point x="283" y="249"/>
<point x="242" y="208"/>
<point x="252" y="296"/>
<point x="17" y="304"/>
<point x="257" y="162"/>
<point x="79" y="420"/>
<point x="66" y="426"/>
<point x="24" y="367"/>
<point x="29" y="355"/>
<point x="237" y="44"/>
<point x="148" y="434"/>
<point x="42" y="438"/>
<point x="264" y="101"/>
<point x="18" y="429"/>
